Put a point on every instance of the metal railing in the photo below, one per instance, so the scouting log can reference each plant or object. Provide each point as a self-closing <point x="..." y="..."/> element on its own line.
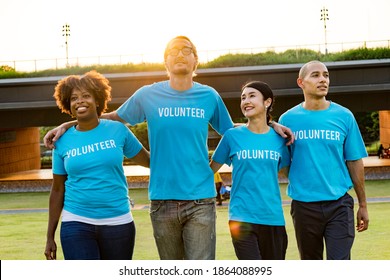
<point x="204" y="55"/>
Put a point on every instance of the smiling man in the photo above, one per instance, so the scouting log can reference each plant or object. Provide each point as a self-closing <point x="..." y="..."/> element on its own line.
<point x="326" y="162"/>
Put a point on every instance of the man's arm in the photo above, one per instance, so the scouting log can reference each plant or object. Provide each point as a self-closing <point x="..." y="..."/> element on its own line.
<point x="142" y="158"/>
<point x="356" y="171"/>
<point x="112" y="116"/>
<point x="53" y="135"/>
<point x="215" y="166"/>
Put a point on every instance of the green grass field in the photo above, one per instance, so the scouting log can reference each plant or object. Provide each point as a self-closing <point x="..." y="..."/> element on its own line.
<point x="23" y="235"/>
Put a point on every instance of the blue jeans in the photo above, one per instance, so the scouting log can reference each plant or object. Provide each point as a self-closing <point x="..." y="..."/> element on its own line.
<point x="184" y="229"/>
<point x="81" y="241"/>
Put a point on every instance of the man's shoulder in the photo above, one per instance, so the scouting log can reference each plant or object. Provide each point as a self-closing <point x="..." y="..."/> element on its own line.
<point x="199" y="86"/>
<point x="148" y="90"/>
<point x="340" y="108"/>
<point x="297" y="108"/>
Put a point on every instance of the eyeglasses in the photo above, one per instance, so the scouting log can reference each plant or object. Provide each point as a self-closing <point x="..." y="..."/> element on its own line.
<point x="185" y="51"/>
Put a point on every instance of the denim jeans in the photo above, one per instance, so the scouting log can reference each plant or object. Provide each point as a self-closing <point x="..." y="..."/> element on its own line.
<point x="81" y="241"/>
<point x="184" y="229"/>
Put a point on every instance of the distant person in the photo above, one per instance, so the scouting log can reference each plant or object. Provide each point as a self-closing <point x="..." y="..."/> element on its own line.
<point x="380" y="151"/>
<point x="178" y="112"/>
<point x="257" y="153"/>
<point x="326" y="163"/>
<point x="89" y="184"/>
<point x="218" y="186"/>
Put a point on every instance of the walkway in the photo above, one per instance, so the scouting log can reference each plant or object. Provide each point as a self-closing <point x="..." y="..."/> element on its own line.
<point x="138" y="176"/>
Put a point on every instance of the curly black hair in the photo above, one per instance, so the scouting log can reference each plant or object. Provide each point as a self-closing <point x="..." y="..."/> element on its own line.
<point x="92" y="81"/>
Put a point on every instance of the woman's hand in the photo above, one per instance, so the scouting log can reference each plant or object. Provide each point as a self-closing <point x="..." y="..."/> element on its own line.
<point x="51" y="250"/>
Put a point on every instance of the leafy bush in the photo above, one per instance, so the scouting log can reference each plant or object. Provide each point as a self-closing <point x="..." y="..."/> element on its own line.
<point x="361" y="54"/>
<point x="141" y="132"/>
<point x="228" y="60"/>
<point x="6" y="68"/>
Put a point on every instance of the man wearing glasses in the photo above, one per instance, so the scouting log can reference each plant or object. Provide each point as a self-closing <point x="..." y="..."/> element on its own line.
<point x="178" y="112"/>
<point x="181" y="187"/>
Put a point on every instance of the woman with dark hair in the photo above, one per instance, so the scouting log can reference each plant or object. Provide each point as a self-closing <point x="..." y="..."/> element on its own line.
<point x="257" y="153"/>
<point x="89" y="186"/>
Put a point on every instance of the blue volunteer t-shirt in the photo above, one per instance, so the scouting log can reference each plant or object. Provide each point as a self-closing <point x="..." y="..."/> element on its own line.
<point x="178" y="129"/>
<point x="324" y="140"/>
<point x="96" y="186"/>
<point x="256" y="158"/>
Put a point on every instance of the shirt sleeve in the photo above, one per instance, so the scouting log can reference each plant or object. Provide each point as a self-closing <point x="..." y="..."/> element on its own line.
<point x="132" y="145"/>
<point x="132" y="110"/>
<point x="58" y="163"/>
<point x="285" y="158"/>
<point x="221" y="120"/>
<point x="354" y="147"/>
<point x="222" y="152"/>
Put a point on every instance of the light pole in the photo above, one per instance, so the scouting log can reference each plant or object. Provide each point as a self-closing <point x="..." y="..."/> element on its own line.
<point x="66" y="33"/>
<point x="324" y="18"/>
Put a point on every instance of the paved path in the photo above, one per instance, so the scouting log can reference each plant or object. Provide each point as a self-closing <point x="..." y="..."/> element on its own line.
<point x="140" y="171"/>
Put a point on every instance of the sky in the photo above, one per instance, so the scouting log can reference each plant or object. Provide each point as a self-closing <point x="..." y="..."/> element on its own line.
<point x="32" y="30"/>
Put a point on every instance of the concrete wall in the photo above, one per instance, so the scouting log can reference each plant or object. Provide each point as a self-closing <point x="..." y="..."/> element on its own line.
<point x="19" y="150"/>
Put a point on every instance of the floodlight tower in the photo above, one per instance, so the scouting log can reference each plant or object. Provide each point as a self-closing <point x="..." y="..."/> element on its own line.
<point x="66" y="33"/>
<point x="324" y="18"/>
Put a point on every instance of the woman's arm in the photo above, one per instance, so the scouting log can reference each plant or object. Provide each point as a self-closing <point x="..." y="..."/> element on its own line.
<point x="56" y="203"/>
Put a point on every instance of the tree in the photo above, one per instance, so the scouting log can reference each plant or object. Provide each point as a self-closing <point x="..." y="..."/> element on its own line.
<point x="6" y="68"/>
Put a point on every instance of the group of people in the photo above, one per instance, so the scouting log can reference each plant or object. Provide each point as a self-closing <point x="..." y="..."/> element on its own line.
<point x="317" y="144"/>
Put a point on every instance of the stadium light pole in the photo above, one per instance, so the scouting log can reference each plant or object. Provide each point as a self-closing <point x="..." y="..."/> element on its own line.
<point x="66" y="33"/>
<point x="324" y="18"/>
